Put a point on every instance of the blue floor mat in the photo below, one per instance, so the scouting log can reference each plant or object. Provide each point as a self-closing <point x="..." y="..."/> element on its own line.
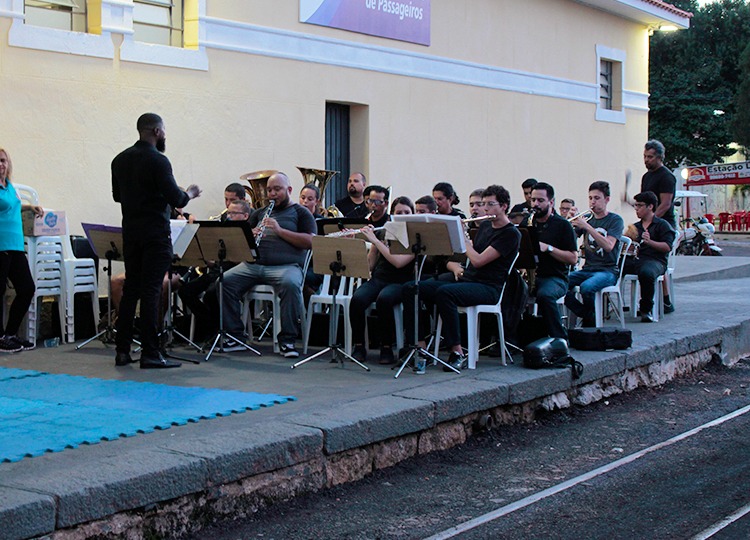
<point x="41" y="412"/>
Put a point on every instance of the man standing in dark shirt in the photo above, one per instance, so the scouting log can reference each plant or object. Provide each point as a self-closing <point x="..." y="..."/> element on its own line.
<point x="659" y="180"/>
<point x="143" y="184"/>
<point x="655" y="239"/>
<point x="556" y="250"/>
<point x="353" y="205"/>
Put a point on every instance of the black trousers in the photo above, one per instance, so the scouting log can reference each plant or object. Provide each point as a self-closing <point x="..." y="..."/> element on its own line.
<point x="146" y="262"/>
<point x="648" y="271"/>
<point x="14" y="266"/>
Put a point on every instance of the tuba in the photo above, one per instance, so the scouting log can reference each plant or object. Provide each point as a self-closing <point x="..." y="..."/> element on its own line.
<point x="256" y="191"/>
<point x="320" y="178"/>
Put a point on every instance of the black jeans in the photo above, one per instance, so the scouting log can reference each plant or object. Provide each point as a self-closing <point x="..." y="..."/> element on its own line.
<point x="386" y="296"/>
<point x="648" y="271"/>
<point x="146" y="262"/>
<point x="14" y="266"/>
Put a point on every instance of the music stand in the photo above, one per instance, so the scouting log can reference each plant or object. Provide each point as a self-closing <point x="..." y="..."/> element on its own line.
<point x="332" y="225"/>
<point x="106" y="241"/>
<point x="338" y="257"/>
<point x="428" y="237"/>
<point x="222" y="242"/>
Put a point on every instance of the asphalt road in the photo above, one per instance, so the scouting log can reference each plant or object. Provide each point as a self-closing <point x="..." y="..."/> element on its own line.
<point x="677" y="491"/>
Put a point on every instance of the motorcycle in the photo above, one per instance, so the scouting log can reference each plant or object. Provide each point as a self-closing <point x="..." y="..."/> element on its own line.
<point x="697" y="238"/>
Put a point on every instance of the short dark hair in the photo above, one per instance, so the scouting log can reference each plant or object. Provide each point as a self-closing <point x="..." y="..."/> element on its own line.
<point x="376" y="189"/>
<point x="600" y="185"/>
<point x="647" y="197"/>
<point x="499" y="192"/>
<point x="477" y="192"/>
<point x="546" y="187"/>
<point x="655" y="145"/>
<point x="236" y="188"/>
<point x="314" y="188"/>
<point x="446" y="189"/>
<point x="571" y="202"/>
<point x="406" y="201"/>
<point x="428" y="201"/>
<point x="529" y="183"/>
<point x="243" y="204"/>
<point x="148" y="121"/>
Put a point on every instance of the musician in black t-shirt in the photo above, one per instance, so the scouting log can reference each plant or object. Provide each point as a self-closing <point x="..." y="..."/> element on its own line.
<point x="481" y="282"/>
<point x="353" y="205"/>
<point x="660" y="180"/>
<point x="556" y="250"/>
<point x="655" y="239"/>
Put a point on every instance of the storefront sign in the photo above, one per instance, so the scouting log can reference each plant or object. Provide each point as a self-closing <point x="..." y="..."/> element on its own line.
<point x="723" y="173"/>
<point x="405" y="20"/>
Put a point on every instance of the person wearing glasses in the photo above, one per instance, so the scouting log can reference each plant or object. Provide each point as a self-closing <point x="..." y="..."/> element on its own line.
<point x="376" y="200"/>
<point x="480" y="282"/>
<point x="655" y="238"/>
<point x="206" y="308"/>
<point x="566" y="205"/>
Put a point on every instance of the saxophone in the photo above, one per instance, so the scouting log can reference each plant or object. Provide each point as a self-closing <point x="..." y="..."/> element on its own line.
<point x="261" y="232"/>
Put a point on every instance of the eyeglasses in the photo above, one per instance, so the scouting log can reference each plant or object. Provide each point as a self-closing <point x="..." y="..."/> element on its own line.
<point x="236" y="213"/>
<point x="376" y="202"/>
<point x="479" y="204"/>
<point x="491" y="203"/>
<point x="639" y="204"/>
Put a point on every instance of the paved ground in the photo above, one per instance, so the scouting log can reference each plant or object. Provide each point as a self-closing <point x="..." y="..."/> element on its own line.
<point x="337" y="408"/>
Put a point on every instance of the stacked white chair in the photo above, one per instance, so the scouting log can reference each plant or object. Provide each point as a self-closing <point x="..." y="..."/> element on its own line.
<point x="46" y="264"/>
<point x="79" y="276"/>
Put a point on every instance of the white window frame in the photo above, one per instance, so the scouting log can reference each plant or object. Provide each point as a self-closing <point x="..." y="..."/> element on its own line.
<point x="617" y="58"/>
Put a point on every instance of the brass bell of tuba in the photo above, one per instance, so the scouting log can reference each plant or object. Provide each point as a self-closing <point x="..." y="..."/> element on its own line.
<point x="320" y="178"/>
<point x="256" y="191"/>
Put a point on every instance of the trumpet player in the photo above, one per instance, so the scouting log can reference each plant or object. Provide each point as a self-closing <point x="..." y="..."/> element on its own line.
<point x="287" y="236"/>
<point x="601" y="240"/>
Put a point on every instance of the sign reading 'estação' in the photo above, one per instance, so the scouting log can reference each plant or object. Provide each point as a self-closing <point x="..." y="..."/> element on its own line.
<point x="405" y="20"/>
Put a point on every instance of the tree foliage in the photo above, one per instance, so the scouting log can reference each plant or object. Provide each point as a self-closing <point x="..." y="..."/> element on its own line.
<point x="695" y="76"/>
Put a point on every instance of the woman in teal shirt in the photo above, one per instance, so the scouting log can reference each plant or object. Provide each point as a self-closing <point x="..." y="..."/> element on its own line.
<point x="13" y="263"/>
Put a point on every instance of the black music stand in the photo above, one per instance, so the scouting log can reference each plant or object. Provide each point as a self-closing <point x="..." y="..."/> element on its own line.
<point x="428" y="237"/>
<point x="222" y="242"/>
<point x="106" y="241"/>
<point x="338" y="257"/>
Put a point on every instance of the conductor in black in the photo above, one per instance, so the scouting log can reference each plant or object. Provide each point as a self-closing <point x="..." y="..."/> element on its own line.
<point x="143" y="184"/>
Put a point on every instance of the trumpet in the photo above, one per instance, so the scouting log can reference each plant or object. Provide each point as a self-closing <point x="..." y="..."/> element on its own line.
<point x="347" y="232"/>
<point x="219" y="217"/>
<point x="479" y="218"/>
<point x="587" y="215"/>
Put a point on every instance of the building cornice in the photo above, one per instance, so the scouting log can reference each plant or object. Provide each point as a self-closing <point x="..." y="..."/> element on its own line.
<point x="651" y="13"/>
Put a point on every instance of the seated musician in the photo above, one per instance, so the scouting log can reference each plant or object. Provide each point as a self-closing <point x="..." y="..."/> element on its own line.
<point x="376" y="200"/>
<point x="601" y="241"/>
<point x="425" y="205"/>
<point x="655" y="239"/>
<point x="206" y="308"/>
<point x="476" y="208"/>
<point x="566" y="205"/>
<point x="556" y="250"/>
<point x="287" y="237"/>
<point x="521" y="213"/>
<point x="446" y="199"/>
<point x="309" y="197"/>
<point x="353" y="205"/>
<point x="233" y="192"/>
<point x="389" y="272"/>
<point x="481" y="282"/>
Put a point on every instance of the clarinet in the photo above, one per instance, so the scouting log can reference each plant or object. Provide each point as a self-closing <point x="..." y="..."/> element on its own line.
<point x="262" y="230"/>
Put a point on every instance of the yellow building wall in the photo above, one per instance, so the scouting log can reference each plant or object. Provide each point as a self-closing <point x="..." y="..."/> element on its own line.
<point x="66" y="116"/>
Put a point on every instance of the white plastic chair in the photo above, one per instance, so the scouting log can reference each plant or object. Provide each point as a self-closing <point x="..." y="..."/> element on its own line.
<point x="46" y="264"/>
<point x="472" y="325"/>
<point x="635" y="289"/>
<point x="344" y="294"/>
<point x="27" y="193"/>
<point x="398" y="320"/>
<point x="80" y="276"/>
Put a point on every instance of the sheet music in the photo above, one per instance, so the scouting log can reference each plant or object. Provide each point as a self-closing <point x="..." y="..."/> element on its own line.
<point x="453" y="223"/>
<point x="182" y="232"/>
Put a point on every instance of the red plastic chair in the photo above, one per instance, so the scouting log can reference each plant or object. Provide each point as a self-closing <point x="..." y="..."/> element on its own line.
<point x="747" y="221"/>
<point x="709" y="217"/>
<point x="738" y="221"/>
<point x="724" y="219"/>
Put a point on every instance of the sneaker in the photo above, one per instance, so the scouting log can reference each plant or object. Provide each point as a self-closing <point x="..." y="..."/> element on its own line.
<point x="386" y="356"/>
<point x="420" y="365"/>
<point x="647" y="318"/>
<point x="17" y="341"/>
<point x="230" y="345"/>
<point x="7" y="346"/>
<point x="359" y="353"/>
<point x="457" y="361"/>
<point x="287" y="350"/>
<point x="668" y="308"/>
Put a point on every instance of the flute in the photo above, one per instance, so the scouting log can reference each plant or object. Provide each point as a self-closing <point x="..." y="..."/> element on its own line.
<point x="479" y="218"/>
<point x="347" y="232"/>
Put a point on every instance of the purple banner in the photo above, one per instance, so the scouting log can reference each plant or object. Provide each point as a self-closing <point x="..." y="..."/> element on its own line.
<point x="405" y="20"/>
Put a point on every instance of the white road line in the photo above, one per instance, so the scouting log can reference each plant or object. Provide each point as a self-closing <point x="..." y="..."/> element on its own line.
<point x="531" y="499"/>
<point x="713" y="529"/>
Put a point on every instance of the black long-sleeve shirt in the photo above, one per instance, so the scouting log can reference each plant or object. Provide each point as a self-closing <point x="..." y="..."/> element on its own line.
<point x="142" y="182"/>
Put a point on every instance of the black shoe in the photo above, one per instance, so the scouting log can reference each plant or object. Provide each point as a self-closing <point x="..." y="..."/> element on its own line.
<point x="457" y="361"/>
<point x="158" y="362"/>
<point x="123" y="359"/>
<point x="359" y="353"/>
<point x="647" y="318"/>
<point x="287" y="350"/>
<point x="6" y="346"/>
<point x="386" y="356"/>
<point x="230" y="345"/>
<point x="24" y="344"/>
<point x="669" y="308"/>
